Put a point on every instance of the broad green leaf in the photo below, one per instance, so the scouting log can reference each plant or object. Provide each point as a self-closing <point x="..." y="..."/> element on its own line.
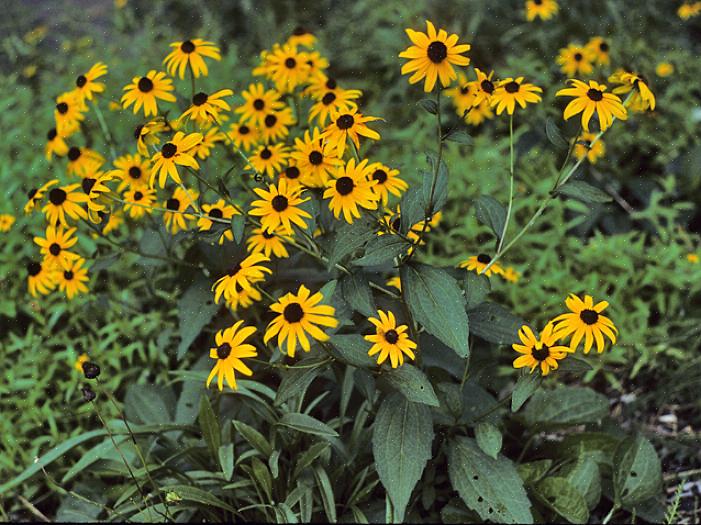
<point x="357" y="293"/>
<point x="491" y="487"/>
<point x="534" y="471"/>
<point x="254" y="438"/>
<point x="565" y="406"/>
<point x="197" y="495"/>
<point x="460" y="136"/>
<point x="195" y="310"/>
<point x="494" y="323"/>
<point x="209" y="424"/>
<point x="583" y="191"/>
<point x="491" y="213"/>
<point x="555" y="135"/>
<point x="440" y="189"/>
<point x="429" y="105"/>
<point x="584" y="476"/>
<point x="526" y="385"/>
<point x="75" y="510"/>
<point x="149" y="403"/>
<point x="352" y="349"/>
<point x="347" y="239"/>
<point x="307" y="424"/>
<point x="412" y="208"/>
<point x="238" y="223"/>
<point x="284" y="514"/>
<point x="574" y="364"/>
<point x="401" y="445"/>
<point x="96" y="453"/>
<point x="327" y="498"/>
<point x="560" y="496"/>
<point x="488" y="439"/>
<point x="296" y="381"/>
<point x="436" y="302"/>
<point x="382" y="249"/>
<point x="151" y="245"/>
<point x="413" y="384"/>
<point x="637" y="473"/>
<point x="226" y="460"/>
<point x="598" y="446"/>
<point x="476" y="289"/>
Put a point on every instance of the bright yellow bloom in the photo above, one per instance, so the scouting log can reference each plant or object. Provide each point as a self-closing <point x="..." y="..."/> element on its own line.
<point x="219" y="210"/>
<point x="642" y="97"/>
<point x="176" y="219"/>
<point x="139" y="201"/>
<point x="35" y="195"/>
<point x="268" y="243"/>
<point x="664" y="69"/>
<point x="387" y="181"/>
<point x="576" y="60"/>
<point x="478" y="263"/>
<point x="689" y="10"/>
<point x="146" y="91"/>
<point x="63" y="201"/>
<point x="286" y="67"/>
<point x="69" y="113"/>
<point x="511" y="275"/>
<point x="268" y="159"/>
<point x="592" y="153"/>
<point x="6" y="222"/>
<point x="590" y="98"/>
<point x="41" y="278"/>
<point x="543" y="352"/>
<point x="55" y="247"/>
<point x="229" y="353"/>
<point x="191" y="53"/>
<point x="72" y="279"/>
<point x="209" y="140"/>
<point x="692" y="258"/>
<point x="241" y="276"/>
<point x="335" y="100"/>
<point x="390" y="340"/>
<point x="243" y="136"/>
<point x="280" y="206"/>
<point x="599" y="49"/>
<point x="585" y="321"/>
<point x="78" y="365"/>
<point x="544" y="9"/>
<point x="511" y="91"/>
<point x="258" y="102"/>
<point x="132" y="170"/>
<point x="55" y="144"/>
<point x="349" y="124"/>
<point x="85" y="85"/>
<point x="205" y="109"/>
<point x="351" y="188"/>
<point x="315" y="159"/>
<point x="177" y="152"/>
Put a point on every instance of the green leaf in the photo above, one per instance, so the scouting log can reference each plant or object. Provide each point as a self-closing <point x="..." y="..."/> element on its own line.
<point x="75" y="510"/>
<point x="413" y="384"/>
<point x="494" y="323"/>
<point x="306" y="424"/>
<point x="491" y="213"/>
<point x="560" y="496"/>
<point x="574" y="364"/>
<point x="261" y="476"/>
<point x="351" y="349"/>
<point x="583" y="191"/>
<point x="238" y="223"/>
<point x="209" y="424"/>
<point x="598" y="446"/>
<point x="356" y="292"/>
<point x="254" y="438"/>
<point x="296" y="381"/>
<point x="226" y="460"/>
<point x="327" y="498"/>
<point x="534" y="471"/>
<point x="412" y="208"/>
<point x="96" y="453"/>
<point x="149" y="404"/>
<point x="429" y="105"/>
<point x="382" y="249"/>
<point x="637" y="473"/>
<point x="401" y="445"/>
<point x="565" y="406"/>
<point x="491" y="487"/>
<point x="488" y="439"/>
<point x="584" y="476"/>
<point x="436" y="302"/>
<point x="347" y="239"/>
<point x="197" y="495"/>
<point x="476" y="289"/>
<point x="460" y="136"/>
<point x="151" y="244"/>
<point x="195" y="310"/>
<point x="555" y="135"/>
<point x="440" y="191"/>
<point x="526" y="385"/>
<point x="273" y="464"/>
<point x="309" y="456"/>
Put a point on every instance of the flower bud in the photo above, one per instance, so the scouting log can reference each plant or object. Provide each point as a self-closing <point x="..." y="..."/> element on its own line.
<point x="88" y="394"/>
<point x="91" y="370"/>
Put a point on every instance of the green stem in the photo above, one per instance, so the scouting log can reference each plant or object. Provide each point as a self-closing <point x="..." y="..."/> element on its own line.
<point x="511" y="184"/>
<point x="105" y="130"/>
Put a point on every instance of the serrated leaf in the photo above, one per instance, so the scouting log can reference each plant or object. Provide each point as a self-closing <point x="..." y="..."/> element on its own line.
<point x="557" y="494"/>
<point x="565" y="406"/>
<point x="491" y="213"/>
<point x="583" y="191"/>
<point x="494" y="323"/>
<point x="436" y="302"/>
<point x="307" y="424"/>
<point x="382" y="249"/>
<point x="637" y="473"/>
<point x="347" y="239"/>
<point x="488" y="439"/>
<point x="429" y="105"/>
<point x="356" y="292"/>
<point x="238" y="223"/>
<point x="490" y="487"/>
<point x="413" y="384"/>
<point x="526" y="385"/>
<point x="401" y="445"/>
<point x="555" y="135"/>
<point x="195" y="310"/>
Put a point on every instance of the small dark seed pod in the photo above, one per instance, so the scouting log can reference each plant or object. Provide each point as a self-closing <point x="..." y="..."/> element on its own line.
<point x="88" y="394"/>
<point x="91" y="370"/>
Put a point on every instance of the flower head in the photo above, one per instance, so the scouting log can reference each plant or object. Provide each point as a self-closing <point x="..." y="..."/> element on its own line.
<point x="279" y="205"/>
<point x="585" y="320"/>
<point x="543" y="9"/>
<point x="191" y="53"/>
<point x="85" y="85"/>
<point x="146" y="91"/>
<point x="510" y="92"/>
<point x="591" y="98"/>
<point x="477" y="264"/>
<point x="230" y="351"/>
<point x="543" y="352"/>
<point x="178" y="151"/>
<point x="351" y="188"/>
<point x="390" y="340"/>
<point x="345" y="125"/>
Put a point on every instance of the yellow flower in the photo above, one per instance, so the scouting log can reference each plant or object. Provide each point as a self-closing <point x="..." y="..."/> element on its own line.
<point x="301" y="37"/>
<point x="349" y="124"/>
<point x="269" y="159"/>
<point x="147" y="135"/>
<point x="229" y="353"/>
<point x="55" y="247"/>
<point x="146" y="91"/>
<point x="286" y="67"/>
<point x="390" y="340"/>
<point x="205" y="109"/>
<point x="177" y="152"/>
<point x="132" y="170"/>
<point x="242" y="298"/>
<point x="219" y="210"/>
<point x="96" y="189"/>
<point x="576" y="60"/>
<point x="350" y="189"/>
<point x="478" y="263"/>
<point x="78" y="365"/>
<point x="275" y="125"/>
<point x="243" y="136"/>
<point x="298" y="315"/>
<point x="545" y="9"/>
<point x="182" y="199"/>
<point x="114" y="221"/>
<point x="583" y="148"/>
<point x="83" y="161"/>
<point x="483" y="87"/>
<point x="642" y="97"/>
<point x="692" y="258"/>
<point x="479" y="113"/>
<point x="511" y="91"/>
<point x="585" y="321"/>
<point x="664" y="69"/>
<point x="55" y="144"/>
<point x="6" y="222"/>
<point x="209" y="140"/>
<point x="387" y="181"/>
<point x="41" y="278"/>
<point x="395" y="282"/>
<point x="35" y="195"/>
<point x="590" y="98"/>
<point x="333" y="100"/>
<point x="65" y="201"/>
<point x="543" y="352"/>
<point x="315" y="159"/>
<point x="241" y="276"/>
<point x="191" y="53"/>
<point x="280" y="206"/>
<point x="85" y="85"/>
<point x="139" y="201"/>
<point x="72" y="279"/>
<point x="432" y="56"/>
<point x="599" y="49"/>
<point x="258" y="102"/>
<point x="687" y="10"/>
<point x="511" y="275"/>
<point x="69" y="113"/>
<point x="267" y="243"/>
<point x="462" y="95"/>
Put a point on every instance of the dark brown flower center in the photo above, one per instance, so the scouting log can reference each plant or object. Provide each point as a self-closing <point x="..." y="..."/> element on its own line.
<point x="265" y="153"/>
<point x="437" y="52"/>
<point x="391" y="336"/>
<point x="396" y="223"/>
<point x="199" y="99"/>
<point x="55" y="249"/>
<point x="81" y="81"/>
<point x="331" y="83"/>
<point x="316" y="158"/>
<point x="31" y="193"/>
<point x="604" y="47"/>
<point x="537" y="2"/>
<point x="137" y="131"/>
<point x="595" y="95"/>
<point x="290" y="63"/>
<point x="328" y="98"/>
<point x="135" y="172"/>
<point x="279" y="203"/>
<point x="62" y="108"/>
<point x="292" y="172"/>
<point x="578" y="56"/>
<point x="216" y="213"/>
<point x="589" y="317"/>
<point x="293" y="313"/>
<point x="244" y="130"/>
<point x="270" y="121"/>
<point x="68" y="275"/>
<point x="465" y="90"/>
<point x="380" y="176"/>
<point x="259" y="104"/>
<point x="57" y="196"/>
<point x="487" y="86"/>
<point x="88" y="184"/>
<point x="267" y="234"/>
<point x="540" y="354"/>
<point x="168" y="150"/>
<point x="484" y="258"/>
<point x="145" y="84"/>
<point x="299" y="31"/>
<point x="138" y="195"/>
<point x="512" y="87"/>
<point x="51" y="135"/>
<point x="187" y="47"/>
<point x="73" y="153"/>
<point x="223" y="350"/>
<point x="33" y="268"/>
<point x="345" y="121"/>
<point x="173" y="203"/>
<point x="344" y="185"/>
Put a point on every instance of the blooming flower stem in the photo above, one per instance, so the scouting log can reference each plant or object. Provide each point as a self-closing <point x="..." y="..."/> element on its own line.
<point x="105" y="130"/>
<point x="511" y="185"/>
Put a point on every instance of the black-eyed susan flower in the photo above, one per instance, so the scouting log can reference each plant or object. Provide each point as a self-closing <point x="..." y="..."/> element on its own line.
<point x="147" y="135"/>
<point x="543" y="352"/>
<point x="591" y="98"/>
<point x="41" y="278"/>
<point x="462" y="95"/>
<point x="230" y="351"/>
<point x="432" y="56"/>
<point x="191" y="53"/>
<point x="69" y="113"/>
<point x="55" y="144"/>
<point x="242" y="298"/>
<point x="114" y="221"/>
<point x="316" y="63"/>
<point x="63" y="201"/>
<point x="6" y="222"/>
<point x="477" y="264"/>
<point x="243" y="136"/>
<point x="147" y="91"/>
<point x="35" y="195"/>
<point x="82" y="358"/>
<point x="301" y="37"/>
<point x="209" y="140"/>
<point x="599" y="49"/>
<point x="286" y="66"/>
<point x="220" y="210"/>
<point x="510" y="274"/>
<point x="268" y="243"/>
<point x="391" y="222"/>
<point x="642" y="97"/>
<point x="280" y="206"/>
<point x="132" y="170"/>
<point x="268" y="159"/>
<point x="483" y="87"/>
<point x="176" y="218"/>
<point x="95" y="187"/>
<point x="258" y="102"/>
<point x="71" y="280"/>
<point x="83" y="161"/>
<point x="320" y="85"/>
<point x="543" y="9"/>
<point x="333" y="101"/>
<point x="205" y="109"/>
<point x="55" y="247"/>
<point x="664" y="69"/>
<point x="315" y="159"/>
<point x="575" y="60"/>
<point x="178" y="151"/>
<point x="395" y="282"/>
<point x="390" y="340"/>
<point x="298" y="315"/>
<point x="139" y="201"/>
<point x="479" y="113"/>
<point x="276" y="125"/>
<point x="348" y="124"/>
<point x="86" y="86"/>
<point x="585" y="148"/>
<point x="351" y="188"/>
<point x="291" y="173"/>
<point x="585" y="320"/>
<point x="689" y="10"/>
<point x="387" y="181"/>
<point x="510" y="92"/>
<point x="692" y="258"/>
<point x="241" y="276"/>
